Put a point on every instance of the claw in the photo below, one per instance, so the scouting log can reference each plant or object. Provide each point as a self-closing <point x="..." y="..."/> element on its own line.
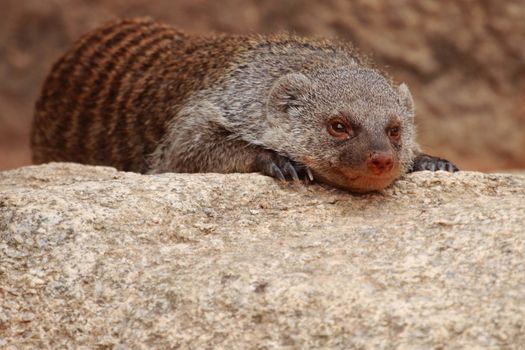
<point x="276" y="172"/>
<point x="452" y="168"/>
<point x="427" y="162"/>
<point x="288" y="168"/>
<point x="309" y="174"/>
<point x="281" y="167"/>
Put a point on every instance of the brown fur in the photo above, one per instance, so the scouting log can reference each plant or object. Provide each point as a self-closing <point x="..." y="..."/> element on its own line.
<point x="109" y="98"/>
<point x="141" y="96"/>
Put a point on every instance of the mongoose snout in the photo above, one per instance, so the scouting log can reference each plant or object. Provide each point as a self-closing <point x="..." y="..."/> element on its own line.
<point x="141" y="96"/>
<point x="379" y="163"/>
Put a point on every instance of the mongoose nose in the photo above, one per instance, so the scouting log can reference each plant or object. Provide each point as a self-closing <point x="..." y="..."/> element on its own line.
<point x="380" y="162"/>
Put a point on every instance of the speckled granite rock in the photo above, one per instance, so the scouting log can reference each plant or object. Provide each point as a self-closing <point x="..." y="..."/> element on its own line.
<point x="94" y="257"/>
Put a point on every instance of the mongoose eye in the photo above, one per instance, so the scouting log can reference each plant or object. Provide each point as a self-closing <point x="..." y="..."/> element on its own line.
<point x="340" y="129"/>
<point x="394" y="132"/>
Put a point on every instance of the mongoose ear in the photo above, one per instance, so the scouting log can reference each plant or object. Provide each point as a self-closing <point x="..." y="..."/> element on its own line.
<point x="289" y="92"/>
<point x="405" y="98"/>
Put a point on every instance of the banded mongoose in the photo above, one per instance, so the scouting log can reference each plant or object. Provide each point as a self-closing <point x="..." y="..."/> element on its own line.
<point x="141" y="96"/>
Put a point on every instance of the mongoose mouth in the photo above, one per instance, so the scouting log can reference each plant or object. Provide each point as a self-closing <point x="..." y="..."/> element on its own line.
<point x="368" y="183"/>
<point x="356" y="181"/>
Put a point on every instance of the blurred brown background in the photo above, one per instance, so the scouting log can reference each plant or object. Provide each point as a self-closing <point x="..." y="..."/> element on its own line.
<point x="463" y="60"/>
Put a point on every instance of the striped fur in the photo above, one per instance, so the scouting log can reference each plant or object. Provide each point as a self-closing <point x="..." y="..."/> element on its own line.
<point x="141" y="96"/>
<point x="109" y="99"/>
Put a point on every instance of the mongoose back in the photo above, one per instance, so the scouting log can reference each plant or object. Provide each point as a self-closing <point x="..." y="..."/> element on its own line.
<point x="144" y="97"/>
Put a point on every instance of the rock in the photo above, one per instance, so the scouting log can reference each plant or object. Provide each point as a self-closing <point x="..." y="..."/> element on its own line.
<point x="94" y="257"/>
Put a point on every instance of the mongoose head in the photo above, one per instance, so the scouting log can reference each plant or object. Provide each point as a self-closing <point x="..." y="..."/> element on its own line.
<point x="349" y="125"/>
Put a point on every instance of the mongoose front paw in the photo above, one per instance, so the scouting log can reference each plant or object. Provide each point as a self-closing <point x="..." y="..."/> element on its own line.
<point x="282" y="168"/>
<point x="427" y="162"/>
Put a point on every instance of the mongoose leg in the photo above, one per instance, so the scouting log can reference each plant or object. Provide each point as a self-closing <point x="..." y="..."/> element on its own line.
<point x="280" y="167"/>
<point x="200" y="142"/>
<point x="428" y="162"/>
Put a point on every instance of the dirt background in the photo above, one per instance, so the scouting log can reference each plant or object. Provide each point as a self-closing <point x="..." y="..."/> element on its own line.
<point x="463" y="60"/>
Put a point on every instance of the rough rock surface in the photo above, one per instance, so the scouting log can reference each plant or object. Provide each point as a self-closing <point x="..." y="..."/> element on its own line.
<point x="463" y="60"/>
<point x="94" y="257"/>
